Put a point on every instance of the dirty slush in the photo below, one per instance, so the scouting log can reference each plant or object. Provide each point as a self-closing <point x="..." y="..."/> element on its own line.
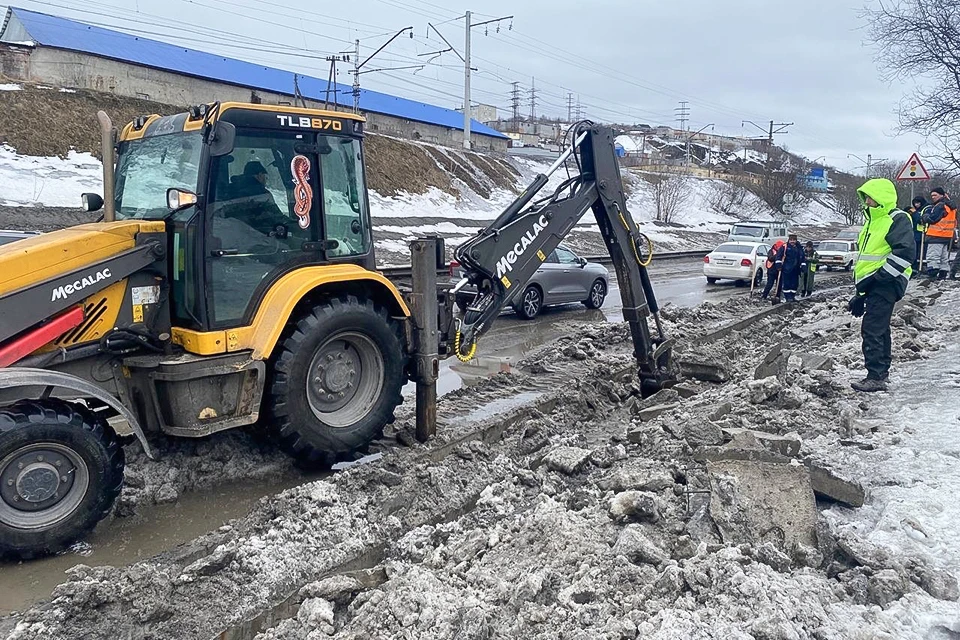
<point x="555" y="503"/>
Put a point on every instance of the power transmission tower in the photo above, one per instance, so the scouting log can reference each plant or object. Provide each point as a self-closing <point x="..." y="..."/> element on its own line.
<point x="533" y="99"/>
<point x="579" y="109"/>
<point x="683" y="114"/>
<point x="570" y="106"/>
<point x="515" y="105"/>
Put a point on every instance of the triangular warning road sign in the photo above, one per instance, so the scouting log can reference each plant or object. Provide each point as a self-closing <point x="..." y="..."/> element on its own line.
<point x="913" y="170"/>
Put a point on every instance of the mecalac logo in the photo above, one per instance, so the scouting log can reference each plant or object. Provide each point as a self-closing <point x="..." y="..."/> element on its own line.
<point x="67" y="290"/>
<point x="505" y="264"/>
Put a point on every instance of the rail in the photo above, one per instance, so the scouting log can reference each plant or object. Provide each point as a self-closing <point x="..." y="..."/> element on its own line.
<point x="404" y="271"/>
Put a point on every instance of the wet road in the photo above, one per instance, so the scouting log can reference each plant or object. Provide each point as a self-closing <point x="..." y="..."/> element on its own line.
<point x="680" y="282"/>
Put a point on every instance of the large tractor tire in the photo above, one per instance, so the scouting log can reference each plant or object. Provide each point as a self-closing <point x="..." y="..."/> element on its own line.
<point x="336" y="381"/>
<point x="61" y="469"/>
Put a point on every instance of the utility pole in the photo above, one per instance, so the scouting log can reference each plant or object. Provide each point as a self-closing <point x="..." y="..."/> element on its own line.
<point x="569" y="106"/>
<point x="533" y="99"/>
<point x="357" y="65"/>
<point x="466" y="83"/>
<point x="683" y="114"/>
<point x="332" y="79"/>
<point x="774" y="128"/>
<point x="469" y="25"/>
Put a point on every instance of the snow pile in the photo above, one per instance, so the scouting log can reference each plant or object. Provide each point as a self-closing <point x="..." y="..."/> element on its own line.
<point x="594" y="515"/>
<point x="10" y="87"/>
<point x="51" y="182"/>
<point x="607" y="540"/>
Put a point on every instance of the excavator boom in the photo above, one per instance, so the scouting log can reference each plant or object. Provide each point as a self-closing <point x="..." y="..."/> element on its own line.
<point x="505" y="255"/>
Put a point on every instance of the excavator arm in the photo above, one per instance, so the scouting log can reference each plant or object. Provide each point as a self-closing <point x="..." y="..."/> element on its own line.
<point x="504" y="256"/>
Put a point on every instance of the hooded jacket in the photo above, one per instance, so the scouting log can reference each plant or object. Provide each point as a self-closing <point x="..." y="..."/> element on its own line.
<point x="886" y="244"/>
<point x="775" y="255"/>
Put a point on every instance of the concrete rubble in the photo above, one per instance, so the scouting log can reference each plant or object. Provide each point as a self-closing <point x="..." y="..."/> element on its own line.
<point x="706" y="511"/>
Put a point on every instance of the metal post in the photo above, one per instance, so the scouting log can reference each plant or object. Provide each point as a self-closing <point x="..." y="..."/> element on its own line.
<point x="466" y="85"/>
<point x="423" y="256"/>
<point x="109" y="157"/>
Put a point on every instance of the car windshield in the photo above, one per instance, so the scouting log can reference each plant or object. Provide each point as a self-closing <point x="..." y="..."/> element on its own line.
<point x="834" y="246"/>
<point x="745" y="230"/>
<point x="146" y="168"/>
<point x="850" y="234"/>
<point x="734" y="248"/>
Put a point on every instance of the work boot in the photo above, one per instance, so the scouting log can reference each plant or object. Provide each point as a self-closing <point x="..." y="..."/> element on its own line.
<point x="869" y="385"/>
<point x="941" y="275"/>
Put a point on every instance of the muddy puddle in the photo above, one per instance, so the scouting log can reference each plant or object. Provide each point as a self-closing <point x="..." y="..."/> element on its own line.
<point x="123" y="541"/>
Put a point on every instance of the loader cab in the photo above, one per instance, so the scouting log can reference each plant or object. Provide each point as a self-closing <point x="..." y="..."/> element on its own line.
<point x="288" y="191"/>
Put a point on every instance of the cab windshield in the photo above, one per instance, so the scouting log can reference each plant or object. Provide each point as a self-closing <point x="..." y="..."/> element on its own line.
<point x="744" y="230"/>
<point x="146" y="168"/>
<point x="834" y="246"/>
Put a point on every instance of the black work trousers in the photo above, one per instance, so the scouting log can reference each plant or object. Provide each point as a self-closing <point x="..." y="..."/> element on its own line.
<point x="875" y="331"/>
<point x="773" y="276"/>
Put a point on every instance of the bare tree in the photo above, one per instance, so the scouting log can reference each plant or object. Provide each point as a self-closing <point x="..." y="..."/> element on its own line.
<point x="778" y="184"/>
<point x="920" y="39"/>
<point x="669" y="196"/>
<point x="847" y="203"/>
<point x="729" y="196"/>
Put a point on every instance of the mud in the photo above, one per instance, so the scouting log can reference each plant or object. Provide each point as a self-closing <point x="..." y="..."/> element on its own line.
<point x="557" y="513"/>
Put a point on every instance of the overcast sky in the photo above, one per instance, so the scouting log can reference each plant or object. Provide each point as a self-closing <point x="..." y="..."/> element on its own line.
<point x="626" y="60"/>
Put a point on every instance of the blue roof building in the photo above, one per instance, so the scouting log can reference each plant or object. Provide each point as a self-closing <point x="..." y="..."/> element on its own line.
<point x="36" y="47"/>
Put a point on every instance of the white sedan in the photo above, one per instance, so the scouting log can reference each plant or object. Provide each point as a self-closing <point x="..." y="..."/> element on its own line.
<point x="738" y="261"/>
<point x="841" y="254"/>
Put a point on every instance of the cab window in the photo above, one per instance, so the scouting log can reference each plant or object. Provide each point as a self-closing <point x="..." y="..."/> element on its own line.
<point x="565" y="256"/>
<point x="344" y="196"/>
<point x="255" y="226"/>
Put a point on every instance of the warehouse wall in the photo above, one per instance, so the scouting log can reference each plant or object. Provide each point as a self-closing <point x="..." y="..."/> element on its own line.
<point x="79" y="70"/>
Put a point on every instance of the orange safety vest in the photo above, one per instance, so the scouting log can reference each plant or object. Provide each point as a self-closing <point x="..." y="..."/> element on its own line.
<point x="944" y="228"/>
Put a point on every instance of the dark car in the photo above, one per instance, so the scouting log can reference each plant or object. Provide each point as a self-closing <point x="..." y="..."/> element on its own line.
<point x="563" y="278"/>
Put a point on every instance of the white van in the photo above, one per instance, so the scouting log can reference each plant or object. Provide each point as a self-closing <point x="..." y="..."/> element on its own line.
<point x="767" y="231"/>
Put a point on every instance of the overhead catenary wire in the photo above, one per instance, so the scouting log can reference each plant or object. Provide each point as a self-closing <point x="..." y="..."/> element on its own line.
<point x="550" y="102"/>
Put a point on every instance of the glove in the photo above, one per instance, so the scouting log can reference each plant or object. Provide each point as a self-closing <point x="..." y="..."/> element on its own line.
<point x="857" y="305"/>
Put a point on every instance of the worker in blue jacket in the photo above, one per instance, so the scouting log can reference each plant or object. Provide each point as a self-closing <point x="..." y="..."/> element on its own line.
<point x="794" y="261"/>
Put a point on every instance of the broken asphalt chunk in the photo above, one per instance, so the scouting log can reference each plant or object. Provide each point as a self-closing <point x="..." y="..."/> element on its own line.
<point x="828" y="484"/>
<point x="764" y="389"/>
<point x="756" y="502"/>
<point x="637" y="547"/>
<point x="653" y="412"/>
<point x="787" y="445"/>
<point x="706" y="371"/>
<point x="568" y="460"/>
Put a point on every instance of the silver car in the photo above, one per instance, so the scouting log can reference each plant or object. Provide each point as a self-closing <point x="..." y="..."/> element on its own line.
<point x="563" y="278"/>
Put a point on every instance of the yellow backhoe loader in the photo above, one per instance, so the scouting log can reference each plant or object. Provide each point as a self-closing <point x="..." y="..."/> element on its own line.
<point x="232" y="280"/>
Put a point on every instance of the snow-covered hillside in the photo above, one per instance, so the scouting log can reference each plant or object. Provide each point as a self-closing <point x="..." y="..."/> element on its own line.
<point x="58" y="182"/>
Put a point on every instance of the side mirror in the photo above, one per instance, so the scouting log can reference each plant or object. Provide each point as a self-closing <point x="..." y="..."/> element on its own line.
<point x="582" y="261"/>
<point x="178" y="199"/>
<point x="91" y="202"/>
<point x="223" y="139"/>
